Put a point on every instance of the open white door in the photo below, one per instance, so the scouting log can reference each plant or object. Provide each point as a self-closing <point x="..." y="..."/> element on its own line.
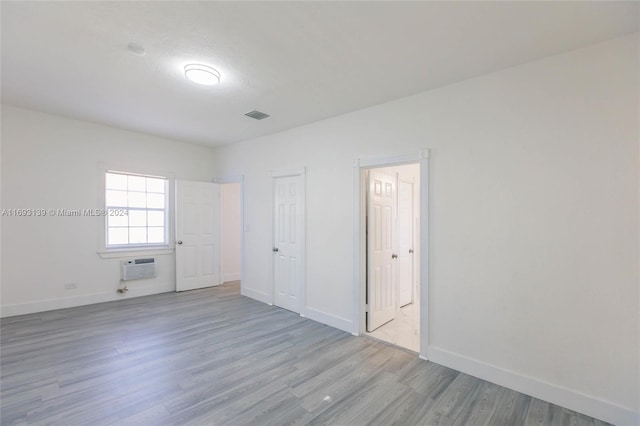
<point x="381" y="270"/>
<point x="197" y="235"/>
<point x="288" y="240"/>
<point x="405" y="240"/>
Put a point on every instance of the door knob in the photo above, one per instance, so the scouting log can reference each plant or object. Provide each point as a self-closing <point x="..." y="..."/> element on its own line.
<point x="275" y="249"/>
<point x="179" y="241"/>
<point x="410" y="251"/>
<point x="394" y="256"/>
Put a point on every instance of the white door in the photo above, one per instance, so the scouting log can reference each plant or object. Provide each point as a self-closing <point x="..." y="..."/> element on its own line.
<point x="405" y="241"/>
<point x="197" y="235"/>
<point x="288" y="241"/>
<point x="381" y="270"/>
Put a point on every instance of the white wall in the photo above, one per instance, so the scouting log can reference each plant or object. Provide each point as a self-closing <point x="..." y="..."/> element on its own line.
<point x="534" y="269"/>
<point x="231" y="231"/>
<point x="52" y="162"/>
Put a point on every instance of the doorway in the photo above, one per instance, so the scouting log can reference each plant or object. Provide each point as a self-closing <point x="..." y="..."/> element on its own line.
<point x="209" y="232"/>
<point x="392" y="216"/>
<point x="197" y="209"/>
<point x="231" y="232"/>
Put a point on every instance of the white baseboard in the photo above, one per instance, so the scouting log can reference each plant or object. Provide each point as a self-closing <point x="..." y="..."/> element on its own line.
<point x="260" y="296"/>
<point x="310" y="313"/>
<point x="86" y="299"/>
<point x="233" y="276"/>
<point x="568" y="398"/>
<point x="328" y="319"/>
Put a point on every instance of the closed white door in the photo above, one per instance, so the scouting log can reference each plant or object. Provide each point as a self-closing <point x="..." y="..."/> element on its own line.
<point x="288" y="241"/>
<point x="405" y="240"/>
<point x="197" y="235"/>
<point x="381" y="270"/>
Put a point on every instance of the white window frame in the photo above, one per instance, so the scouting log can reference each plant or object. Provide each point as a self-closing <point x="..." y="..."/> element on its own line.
<point x="120" y="251"/>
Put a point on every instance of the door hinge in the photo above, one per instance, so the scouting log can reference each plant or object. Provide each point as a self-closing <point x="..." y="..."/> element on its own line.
<point x="366" y="307"/>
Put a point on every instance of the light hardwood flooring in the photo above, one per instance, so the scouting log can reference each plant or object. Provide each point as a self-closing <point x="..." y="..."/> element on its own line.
<point x="211" y="356"/>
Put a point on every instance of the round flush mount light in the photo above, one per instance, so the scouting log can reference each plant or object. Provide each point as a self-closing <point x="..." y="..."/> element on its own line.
<point x="202" y="74"/>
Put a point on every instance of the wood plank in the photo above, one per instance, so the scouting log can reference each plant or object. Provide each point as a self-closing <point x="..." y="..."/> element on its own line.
<point x="450" y="403"/>
<point x="511" y="409"/>
<point x="480" y="407"/>
<point x="212" y="356"/>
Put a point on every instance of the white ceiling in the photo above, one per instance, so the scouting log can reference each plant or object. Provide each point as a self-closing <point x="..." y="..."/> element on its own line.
<point x="298" y="61"/>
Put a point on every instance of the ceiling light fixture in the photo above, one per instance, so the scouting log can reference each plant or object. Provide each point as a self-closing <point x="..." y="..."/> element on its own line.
<point x="202" y="74"/>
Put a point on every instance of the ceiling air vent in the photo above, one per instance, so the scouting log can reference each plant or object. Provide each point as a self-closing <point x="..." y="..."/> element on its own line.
<point x="257" y="115"/>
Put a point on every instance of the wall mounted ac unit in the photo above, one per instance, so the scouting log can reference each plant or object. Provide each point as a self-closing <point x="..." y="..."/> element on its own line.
<point x="136" y="269"/>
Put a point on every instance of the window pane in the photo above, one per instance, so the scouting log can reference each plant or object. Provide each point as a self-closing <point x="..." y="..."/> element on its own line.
<point x="117" y="219"/>
<point x="116" y="181"/>
<point x="137" y="235"/>
<point x="137" y="218"/>
<point x="117" y="236"/>
<point x="137" y="183"/>
<point x="155" y="185"/>
<point x="116" y="198"/>
<point x="155" y="201"/>
<point x="156" y="234"/>
<point x="144" y="199"/>
<point x="137" y="199"/>
<point x="155" y="218"/>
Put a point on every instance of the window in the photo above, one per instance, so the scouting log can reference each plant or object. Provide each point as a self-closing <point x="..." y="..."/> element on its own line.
<point x="136" y="210"/>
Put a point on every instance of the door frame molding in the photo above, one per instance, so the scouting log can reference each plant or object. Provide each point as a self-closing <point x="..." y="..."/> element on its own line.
<point x="279" y="173"/>
<point x="234" y="179"/>
<point x="360" y="165"/>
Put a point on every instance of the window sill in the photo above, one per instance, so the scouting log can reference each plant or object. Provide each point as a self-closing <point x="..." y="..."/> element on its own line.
<point x="132" y="252"/>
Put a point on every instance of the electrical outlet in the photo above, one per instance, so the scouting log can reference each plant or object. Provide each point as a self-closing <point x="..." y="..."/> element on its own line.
<point x="70" y="286"/>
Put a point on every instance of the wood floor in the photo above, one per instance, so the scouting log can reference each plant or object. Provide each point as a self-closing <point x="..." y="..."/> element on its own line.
<point x="209" y="357"/>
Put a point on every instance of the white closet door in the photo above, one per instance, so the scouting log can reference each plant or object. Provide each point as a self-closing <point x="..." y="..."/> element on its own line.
<point x="288" y="241"/>
<point x="405" y="240"/>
